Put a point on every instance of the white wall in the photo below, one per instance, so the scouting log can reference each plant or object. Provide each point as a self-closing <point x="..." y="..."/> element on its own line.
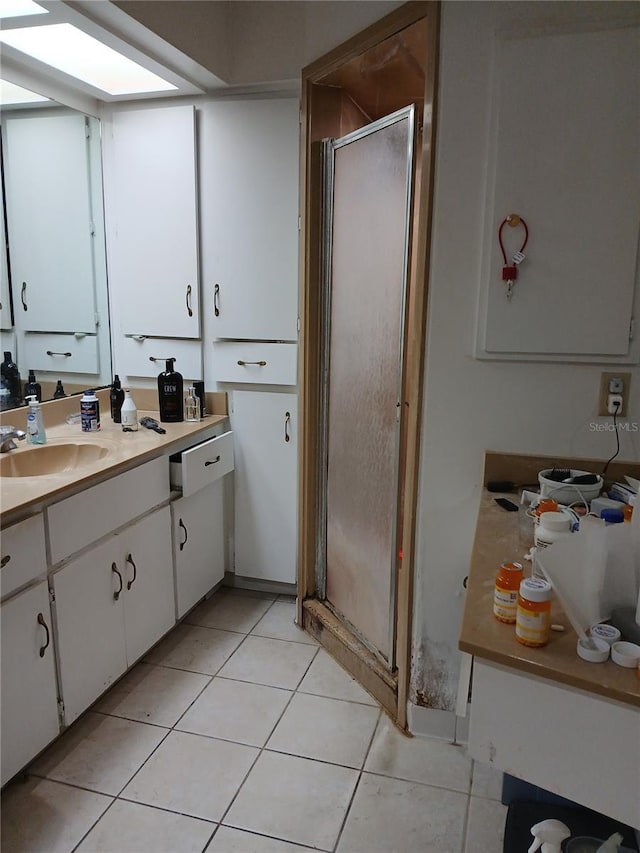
<point x="469" y="405"/>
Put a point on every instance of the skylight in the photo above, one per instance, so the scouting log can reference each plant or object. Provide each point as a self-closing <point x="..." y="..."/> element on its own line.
<point x="11" y="95"/>
<point x="72" y="51"/>
<point x="17" y="8"/>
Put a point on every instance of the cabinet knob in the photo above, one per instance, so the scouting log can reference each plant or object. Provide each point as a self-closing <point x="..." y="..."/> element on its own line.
<point x="48" y="637"/>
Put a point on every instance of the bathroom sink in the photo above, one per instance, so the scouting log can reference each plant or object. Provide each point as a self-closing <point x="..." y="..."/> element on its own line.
<point x="50" y="459"/>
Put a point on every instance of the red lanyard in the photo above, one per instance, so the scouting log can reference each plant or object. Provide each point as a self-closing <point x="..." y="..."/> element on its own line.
<point x="510" y="271"/>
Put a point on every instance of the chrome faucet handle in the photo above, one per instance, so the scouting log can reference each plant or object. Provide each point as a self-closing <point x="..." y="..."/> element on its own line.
<point x="8" y="434"/>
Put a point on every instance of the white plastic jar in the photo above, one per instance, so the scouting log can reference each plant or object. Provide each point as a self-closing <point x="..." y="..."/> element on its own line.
<point x="552" y="527"/>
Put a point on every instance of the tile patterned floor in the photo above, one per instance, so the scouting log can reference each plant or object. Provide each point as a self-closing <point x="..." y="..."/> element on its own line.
<point x="238" y="734"/>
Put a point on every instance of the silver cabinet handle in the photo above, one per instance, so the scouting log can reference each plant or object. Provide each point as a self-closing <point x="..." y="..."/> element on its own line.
<point x="216" y="300"/>
<point x="287" y="423"/>
<point x="188" y="300"/>
<point x="259" y="363"/>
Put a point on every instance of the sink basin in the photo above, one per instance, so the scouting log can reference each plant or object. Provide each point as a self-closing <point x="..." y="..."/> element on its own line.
<point x="50" y="459"/>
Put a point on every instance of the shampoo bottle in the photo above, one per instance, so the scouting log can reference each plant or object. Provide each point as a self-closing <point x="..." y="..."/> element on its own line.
<point x="170" y="394"/>
<point x="116" y="399"/>
<point x="128" y="413"/>
<point x="35" y="424"/>
<point x="32" y="387"/>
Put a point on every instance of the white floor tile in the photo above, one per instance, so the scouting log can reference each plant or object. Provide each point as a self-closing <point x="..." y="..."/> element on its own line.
<point x="236" y="710"/>
<point x="196" y="649"/>
<point x="293" y="798"/>
<point x="273" y="662"/>
<point x="100" y="753"/>
<point x="153" y="694"/>
<point x="486" y="781"/>
<point x="391" y="816"/>
<point x="328" y="678"/>
<point x="193" y="775"/>
<point x="485" y="826"/>
<point x="279" y="623"/>
<point x="230" y="611"/>
<point x="133" y="828"/>
<point x="433" y="762"/>
<point x="227" y="840"/>
<point x="45" y="817"/>
<point x="326" y="729"/>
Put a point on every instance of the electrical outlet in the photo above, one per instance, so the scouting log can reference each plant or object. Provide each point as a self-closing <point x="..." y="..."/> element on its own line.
<point x="614" y="385"/>
<point x="614" y="403"/>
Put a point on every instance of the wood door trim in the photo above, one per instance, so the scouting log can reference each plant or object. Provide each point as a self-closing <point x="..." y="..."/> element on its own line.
<point x="312" y="612"/>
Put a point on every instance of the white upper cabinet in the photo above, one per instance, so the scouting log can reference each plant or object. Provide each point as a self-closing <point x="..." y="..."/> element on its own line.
<point x="152" y="221"/>
<point x="249" y="208"/>
<point x="49" y="222"/>
<point x="564" y="156"/>
<point x="5" y="299"/>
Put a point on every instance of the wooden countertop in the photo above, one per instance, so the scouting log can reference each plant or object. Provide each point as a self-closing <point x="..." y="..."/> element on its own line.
<point x="498" y="540"/>
<point x="21" y="496"/>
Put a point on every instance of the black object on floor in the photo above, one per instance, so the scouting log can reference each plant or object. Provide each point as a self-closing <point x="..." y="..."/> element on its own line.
<point x="522" y="816"/>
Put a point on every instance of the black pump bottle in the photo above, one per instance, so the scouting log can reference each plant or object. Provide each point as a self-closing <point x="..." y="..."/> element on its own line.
<point x="116" y="399"/>
<point x="170" y="396"/>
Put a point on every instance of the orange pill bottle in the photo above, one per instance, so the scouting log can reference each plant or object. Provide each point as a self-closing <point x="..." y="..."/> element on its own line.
<point x="505" y="592"/>
<point x="533" y="612"/>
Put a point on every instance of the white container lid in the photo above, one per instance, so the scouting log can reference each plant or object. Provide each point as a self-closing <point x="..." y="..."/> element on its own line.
<point x="599" y="654"/>
<point x="608" y="633"/>
<point x="625" y="654"/>
<point x="557" y="521"/>
<point x="535" y="589"/>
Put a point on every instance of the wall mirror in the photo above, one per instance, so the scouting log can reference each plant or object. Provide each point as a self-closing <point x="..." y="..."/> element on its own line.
<point x="54" y="314"/>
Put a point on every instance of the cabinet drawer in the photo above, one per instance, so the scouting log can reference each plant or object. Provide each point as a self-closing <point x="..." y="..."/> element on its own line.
<point x="82" y="519"/>
<point x="61" y="353"/>
<point x="23" y="554"/>
<point x="199" y="466"/>
<point x="271" y="364"/>
<point x="137" y="352"/>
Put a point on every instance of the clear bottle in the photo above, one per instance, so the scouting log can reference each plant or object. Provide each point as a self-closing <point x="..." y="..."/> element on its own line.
<point x="35" y="425"/>
<point x="129" y="413"/>
<point x="191" y="406"/>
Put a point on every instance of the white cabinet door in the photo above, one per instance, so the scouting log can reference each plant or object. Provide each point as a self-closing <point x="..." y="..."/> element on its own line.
<point x="29" y="692"/>
<point x="249" y="183"/>
<point x="91" y="633"/>
<point x="5" y="300"/>
<point x="49" y="222"/>
<point x="152" y="214"/>
<point x="265" y="426"/>
<point x="198" y="541"/>
<point x="148" y="595"/>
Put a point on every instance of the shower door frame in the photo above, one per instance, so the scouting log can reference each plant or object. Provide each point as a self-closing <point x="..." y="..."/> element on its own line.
<point x="330" y="146"/>
<point x="318" y="121"/>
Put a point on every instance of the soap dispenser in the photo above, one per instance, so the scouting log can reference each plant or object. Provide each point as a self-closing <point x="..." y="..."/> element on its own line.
<point x="116" y="399"/>
<point x="170" y="394"/>
<point x="35" y="424"/>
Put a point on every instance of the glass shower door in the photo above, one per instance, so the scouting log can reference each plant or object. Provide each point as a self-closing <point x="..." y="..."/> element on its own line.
<point x="368" y="188"/>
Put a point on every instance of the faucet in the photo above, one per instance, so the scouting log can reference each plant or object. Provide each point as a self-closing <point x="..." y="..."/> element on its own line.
<point x="8" y="434"/>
